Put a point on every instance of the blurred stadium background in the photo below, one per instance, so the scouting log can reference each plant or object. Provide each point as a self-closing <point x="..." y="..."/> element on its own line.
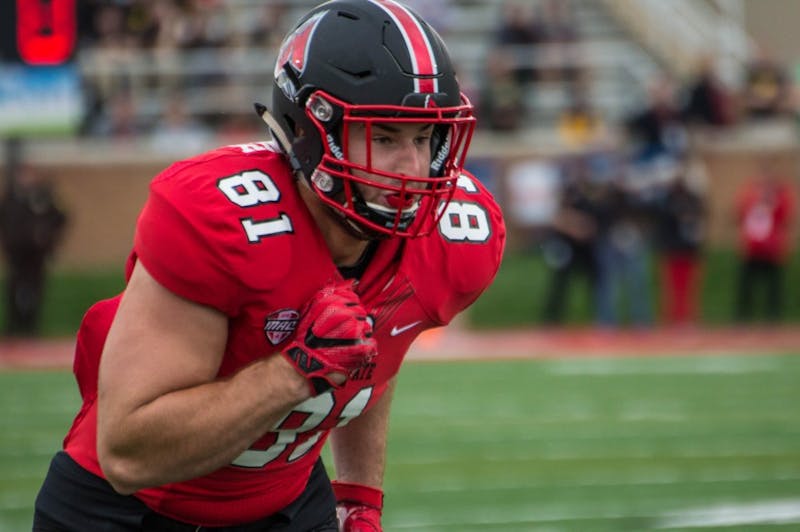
<point x="97" y="96"/>
<point x="138" y="84"/>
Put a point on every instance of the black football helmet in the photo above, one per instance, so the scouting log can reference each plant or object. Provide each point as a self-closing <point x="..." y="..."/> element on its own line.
<point x="369" y="61"/>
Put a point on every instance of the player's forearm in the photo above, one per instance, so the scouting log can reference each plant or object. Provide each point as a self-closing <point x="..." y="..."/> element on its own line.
<point x="195" y="431"/>
<point x="359" y="448"/>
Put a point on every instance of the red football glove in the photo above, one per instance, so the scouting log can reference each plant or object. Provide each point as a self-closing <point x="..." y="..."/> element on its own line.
<point x="333" y="336"/>
<point x="358" y="507"/>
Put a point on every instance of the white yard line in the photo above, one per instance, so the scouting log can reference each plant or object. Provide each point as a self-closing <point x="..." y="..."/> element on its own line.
<point x="666" y="478"/>
<point x="701" y="365"/>
<point x="768" y="512"/>
<point x="784" y="511"/>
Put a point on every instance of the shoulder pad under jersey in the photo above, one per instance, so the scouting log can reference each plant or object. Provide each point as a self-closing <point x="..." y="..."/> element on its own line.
<point x="453" y="265"/>
<point x="215" y="226"/>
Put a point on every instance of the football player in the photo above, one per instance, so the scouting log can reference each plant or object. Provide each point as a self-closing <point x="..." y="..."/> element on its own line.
<point x="272" y="292"/>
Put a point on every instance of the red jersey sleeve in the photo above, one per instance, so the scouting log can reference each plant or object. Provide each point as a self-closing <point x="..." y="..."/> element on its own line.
<point x="89" y="344"/>
<point x="456" y="263"/>
<point x="192" y="235"/>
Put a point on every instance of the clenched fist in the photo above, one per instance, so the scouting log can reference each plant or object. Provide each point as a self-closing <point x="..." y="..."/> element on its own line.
<point x="333" y="337"/>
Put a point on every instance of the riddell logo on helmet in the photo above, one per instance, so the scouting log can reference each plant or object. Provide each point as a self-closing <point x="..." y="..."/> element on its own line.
<point x="279" y="325"/>
<point x="335" y="149"/>
<point x="437" y="163"/>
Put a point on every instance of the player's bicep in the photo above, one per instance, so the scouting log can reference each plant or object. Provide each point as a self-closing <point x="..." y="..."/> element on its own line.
<point x="158" y="343"/>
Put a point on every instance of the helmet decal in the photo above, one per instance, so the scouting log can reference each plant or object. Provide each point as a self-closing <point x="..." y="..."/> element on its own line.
<point x="423" y="60"/>
<point x="294" y="49"/>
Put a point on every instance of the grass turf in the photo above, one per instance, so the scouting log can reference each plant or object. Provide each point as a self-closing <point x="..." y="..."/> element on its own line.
<point x="566" y="444"/>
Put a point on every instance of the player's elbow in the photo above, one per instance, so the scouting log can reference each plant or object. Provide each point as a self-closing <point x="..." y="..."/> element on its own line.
<point x="121" y="472"/>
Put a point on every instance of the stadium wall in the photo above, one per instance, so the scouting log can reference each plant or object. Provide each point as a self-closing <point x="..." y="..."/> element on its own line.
<point x="103" y="187"/>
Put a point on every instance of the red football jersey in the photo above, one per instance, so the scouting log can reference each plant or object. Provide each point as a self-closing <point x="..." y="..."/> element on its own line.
<point x="228" y="229"/>
<point x="765" y="212"/>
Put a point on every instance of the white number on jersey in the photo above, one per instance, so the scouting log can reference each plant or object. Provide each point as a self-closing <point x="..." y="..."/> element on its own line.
<point x="317" y="410"/>
<point x="465" y="221"/>
<point x="252" y="188"/>
<point x="467" y="184"/>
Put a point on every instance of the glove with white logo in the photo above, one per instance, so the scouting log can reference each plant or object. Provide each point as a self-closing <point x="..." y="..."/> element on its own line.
<point x="333" y="336"/>
<point x="358" y="507"/>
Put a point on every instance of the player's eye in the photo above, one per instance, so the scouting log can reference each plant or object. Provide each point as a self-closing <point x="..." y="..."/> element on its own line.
<point x="382" y="139"/>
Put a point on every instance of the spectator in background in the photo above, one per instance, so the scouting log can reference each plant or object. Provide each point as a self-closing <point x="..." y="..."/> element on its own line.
<point x="764" y="210"/>
<point x="501" y="104"/>
<point x="708" y="101"/>
<point x="681" y="232"/>
<point x="112" y="35"/>
<point x="657" y="130"/>
<point x="178" y="133"/>
<point x="168" y="33"/>
<point x="623" y="248"/>
<point x="31" y="227"/>
<point x="767" y="88"/>
<point x="114" y="51"/>
<point x="206" y="24"/>
<point x="569" y="248"/>
<point x="560" y="36"/>
<point x="518" y="32"/>
<point x="580" y="126"/>
<point x="117" y="119"/>
<point x="108" y="30"/>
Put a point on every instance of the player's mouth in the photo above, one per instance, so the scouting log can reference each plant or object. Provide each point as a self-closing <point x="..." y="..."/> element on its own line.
<point x="401" y="202"/>
<point x="392" y="203"/>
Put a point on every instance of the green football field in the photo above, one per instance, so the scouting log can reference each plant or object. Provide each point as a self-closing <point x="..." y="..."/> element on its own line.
<point x="672" y="443"/>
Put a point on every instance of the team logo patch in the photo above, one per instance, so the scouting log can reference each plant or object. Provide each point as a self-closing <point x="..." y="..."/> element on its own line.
<point x="280" y="325"/>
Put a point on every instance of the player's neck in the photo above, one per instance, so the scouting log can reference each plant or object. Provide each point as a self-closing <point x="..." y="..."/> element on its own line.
<point x="345" y="249"/>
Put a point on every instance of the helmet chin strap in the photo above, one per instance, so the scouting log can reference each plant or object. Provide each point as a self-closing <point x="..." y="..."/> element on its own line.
<point x="358" y="231"/>
<point x="278" y="134"/>
<point x="353" y="227"/>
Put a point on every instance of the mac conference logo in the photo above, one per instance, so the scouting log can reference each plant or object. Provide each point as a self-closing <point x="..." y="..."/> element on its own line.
<point x="279" y="325"/>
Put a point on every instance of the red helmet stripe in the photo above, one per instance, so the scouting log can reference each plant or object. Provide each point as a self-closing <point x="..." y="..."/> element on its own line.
<point x="423" y="61"/>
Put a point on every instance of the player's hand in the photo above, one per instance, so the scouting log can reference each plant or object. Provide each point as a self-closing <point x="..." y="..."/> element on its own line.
<point x="358" y="508"/>
<point x="333" y="338"/>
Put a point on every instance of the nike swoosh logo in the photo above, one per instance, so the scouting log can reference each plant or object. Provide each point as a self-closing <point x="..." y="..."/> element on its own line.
<point x="399" y="330"/>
